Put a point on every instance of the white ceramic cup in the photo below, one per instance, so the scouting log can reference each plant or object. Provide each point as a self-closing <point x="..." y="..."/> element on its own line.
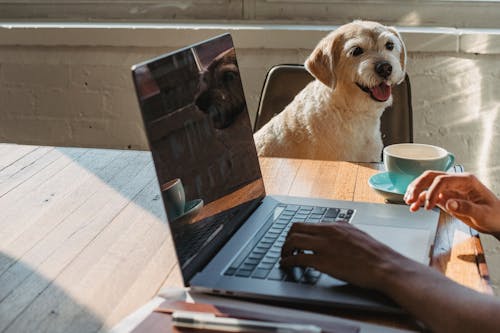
<point x="406" y="161"/>
<point x="174" y="198"/>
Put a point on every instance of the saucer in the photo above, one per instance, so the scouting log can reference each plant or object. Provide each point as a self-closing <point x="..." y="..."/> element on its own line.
<point x="191" y="209"/>
<point x="382" y="184"/>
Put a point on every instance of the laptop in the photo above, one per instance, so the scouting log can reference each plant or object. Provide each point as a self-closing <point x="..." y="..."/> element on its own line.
<point x="228" y="233"/>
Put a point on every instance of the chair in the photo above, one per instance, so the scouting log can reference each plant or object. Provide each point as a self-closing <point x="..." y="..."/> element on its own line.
<point x="283" y="82"/>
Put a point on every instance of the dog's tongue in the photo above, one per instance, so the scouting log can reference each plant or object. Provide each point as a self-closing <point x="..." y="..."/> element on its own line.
<point x="382" y="92"/>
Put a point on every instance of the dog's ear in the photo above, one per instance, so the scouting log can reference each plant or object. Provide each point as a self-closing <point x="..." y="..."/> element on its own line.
<point x="320" y="62"/>
<point x="402" y="55"/>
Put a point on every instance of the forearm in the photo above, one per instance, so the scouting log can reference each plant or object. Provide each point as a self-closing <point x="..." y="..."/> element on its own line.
<point x="440" y="303"/>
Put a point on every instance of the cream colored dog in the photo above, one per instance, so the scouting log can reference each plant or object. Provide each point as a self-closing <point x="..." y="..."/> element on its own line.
<point x="337" y="116"/>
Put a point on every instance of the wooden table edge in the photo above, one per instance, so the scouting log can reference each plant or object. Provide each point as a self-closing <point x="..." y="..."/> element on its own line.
<point x="481" y="264"/>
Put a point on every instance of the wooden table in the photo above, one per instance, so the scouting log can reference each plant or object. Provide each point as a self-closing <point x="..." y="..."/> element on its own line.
<point x="84" y="242"/>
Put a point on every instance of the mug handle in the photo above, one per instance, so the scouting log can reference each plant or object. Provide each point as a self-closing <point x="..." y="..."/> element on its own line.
<point x="451" y="161"/>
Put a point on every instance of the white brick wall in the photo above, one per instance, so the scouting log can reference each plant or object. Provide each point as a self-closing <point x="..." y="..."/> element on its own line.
<point x="82" y="94"/>
<point x="73" y="96"/>
<point x="88" y="99"/>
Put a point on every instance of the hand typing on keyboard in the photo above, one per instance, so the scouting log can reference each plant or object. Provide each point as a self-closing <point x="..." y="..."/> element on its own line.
<point x="335" y="249"/>
<point x="260" y="258"/>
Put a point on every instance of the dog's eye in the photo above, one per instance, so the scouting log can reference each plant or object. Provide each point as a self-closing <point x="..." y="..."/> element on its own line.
<point x="229" y="76"/>
<point x="389" y="46"/>
<point x="357" y="51"/>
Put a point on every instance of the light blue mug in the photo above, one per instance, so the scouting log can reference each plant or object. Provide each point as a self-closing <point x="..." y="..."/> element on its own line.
<point x="174" y="198"/>
<point x="406" y="161"/>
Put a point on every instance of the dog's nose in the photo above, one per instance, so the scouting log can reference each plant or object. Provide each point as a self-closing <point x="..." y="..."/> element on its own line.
<point x="384" y="69"/>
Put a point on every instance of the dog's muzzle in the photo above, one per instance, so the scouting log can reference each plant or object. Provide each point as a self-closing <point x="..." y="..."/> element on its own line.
<point x="380" y="93"/>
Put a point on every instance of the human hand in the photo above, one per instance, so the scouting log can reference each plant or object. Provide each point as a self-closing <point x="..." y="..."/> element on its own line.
<point x="342" y="251"/>
<point x="460" y="195"/>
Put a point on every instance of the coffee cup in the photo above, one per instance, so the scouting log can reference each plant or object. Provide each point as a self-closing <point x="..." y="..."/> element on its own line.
<point x="174" y="198"/>
<point x="406" y="161"/>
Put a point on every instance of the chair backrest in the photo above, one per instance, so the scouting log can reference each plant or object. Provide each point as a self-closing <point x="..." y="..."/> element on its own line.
<point x="283" y="82"/>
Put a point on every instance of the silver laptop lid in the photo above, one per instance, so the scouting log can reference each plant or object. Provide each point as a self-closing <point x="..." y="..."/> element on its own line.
<point x="199" y="132"/>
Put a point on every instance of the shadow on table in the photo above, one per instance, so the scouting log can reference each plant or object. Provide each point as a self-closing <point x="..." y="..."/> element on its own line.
<point x="29" y="302"/>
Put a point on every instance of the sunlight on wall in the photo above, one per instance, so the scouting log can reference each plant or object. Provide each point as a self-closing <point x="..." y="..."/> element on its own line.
<point x="456" y="105"/>
<point x="411" y="18"/>
<point x="486" y="150"/>
<point x="489" y="117"/>
<point x="480" y="109"/>
<point x="475" y="105"/>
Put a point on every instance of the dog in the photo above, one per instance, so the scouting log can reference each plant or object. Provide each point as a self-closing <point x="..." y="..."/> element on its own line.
<point x="221" y="95"/>
<point x="337" y="116"/>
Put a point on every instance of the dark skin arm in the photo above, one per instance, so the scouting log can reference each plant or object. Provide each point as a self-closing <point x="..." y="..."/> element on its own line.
<point x="347" y="253"/>
<point x="461" y="195"/>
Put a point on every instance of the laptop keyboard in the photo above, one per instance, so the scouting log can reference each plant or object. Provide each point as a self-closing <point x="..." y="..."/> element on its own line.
<point x="260" y="259"/>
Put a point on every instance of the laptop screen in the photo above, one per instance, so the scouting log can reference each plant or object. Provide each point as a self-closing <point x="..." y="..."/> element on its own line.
<point x="200" y="136"/>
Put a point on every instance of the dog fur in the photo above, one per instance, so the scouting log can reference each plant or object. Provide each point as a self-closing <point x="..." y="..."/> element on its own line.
<point x="221" y="95"/>
<point x="337" y="116"/>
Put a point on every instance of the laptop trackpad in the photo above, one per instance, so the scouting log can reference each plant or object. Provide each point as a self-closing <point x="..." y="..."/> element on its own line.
<point x="413" y="243"/>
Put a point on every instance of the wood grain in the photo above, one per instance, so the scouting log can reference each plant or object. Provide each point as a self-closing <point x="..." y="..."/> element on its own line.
<point x="84" y="242"/>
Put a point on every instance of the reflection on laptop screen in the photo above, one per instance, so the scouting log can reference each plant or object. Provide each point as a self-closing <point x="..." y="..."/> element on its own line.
<point x="200" y="136"/>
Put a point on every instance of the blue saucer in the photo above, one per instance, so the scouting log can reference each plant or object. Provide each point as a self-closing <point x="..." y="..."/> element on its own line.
<point x="191" y="209"/>
<point x="382" y="184"/>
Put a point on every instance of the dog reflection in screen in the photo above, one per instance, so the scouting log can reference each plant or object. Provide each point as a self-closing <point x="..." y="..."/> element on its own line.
<point x="221" y="95"/>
